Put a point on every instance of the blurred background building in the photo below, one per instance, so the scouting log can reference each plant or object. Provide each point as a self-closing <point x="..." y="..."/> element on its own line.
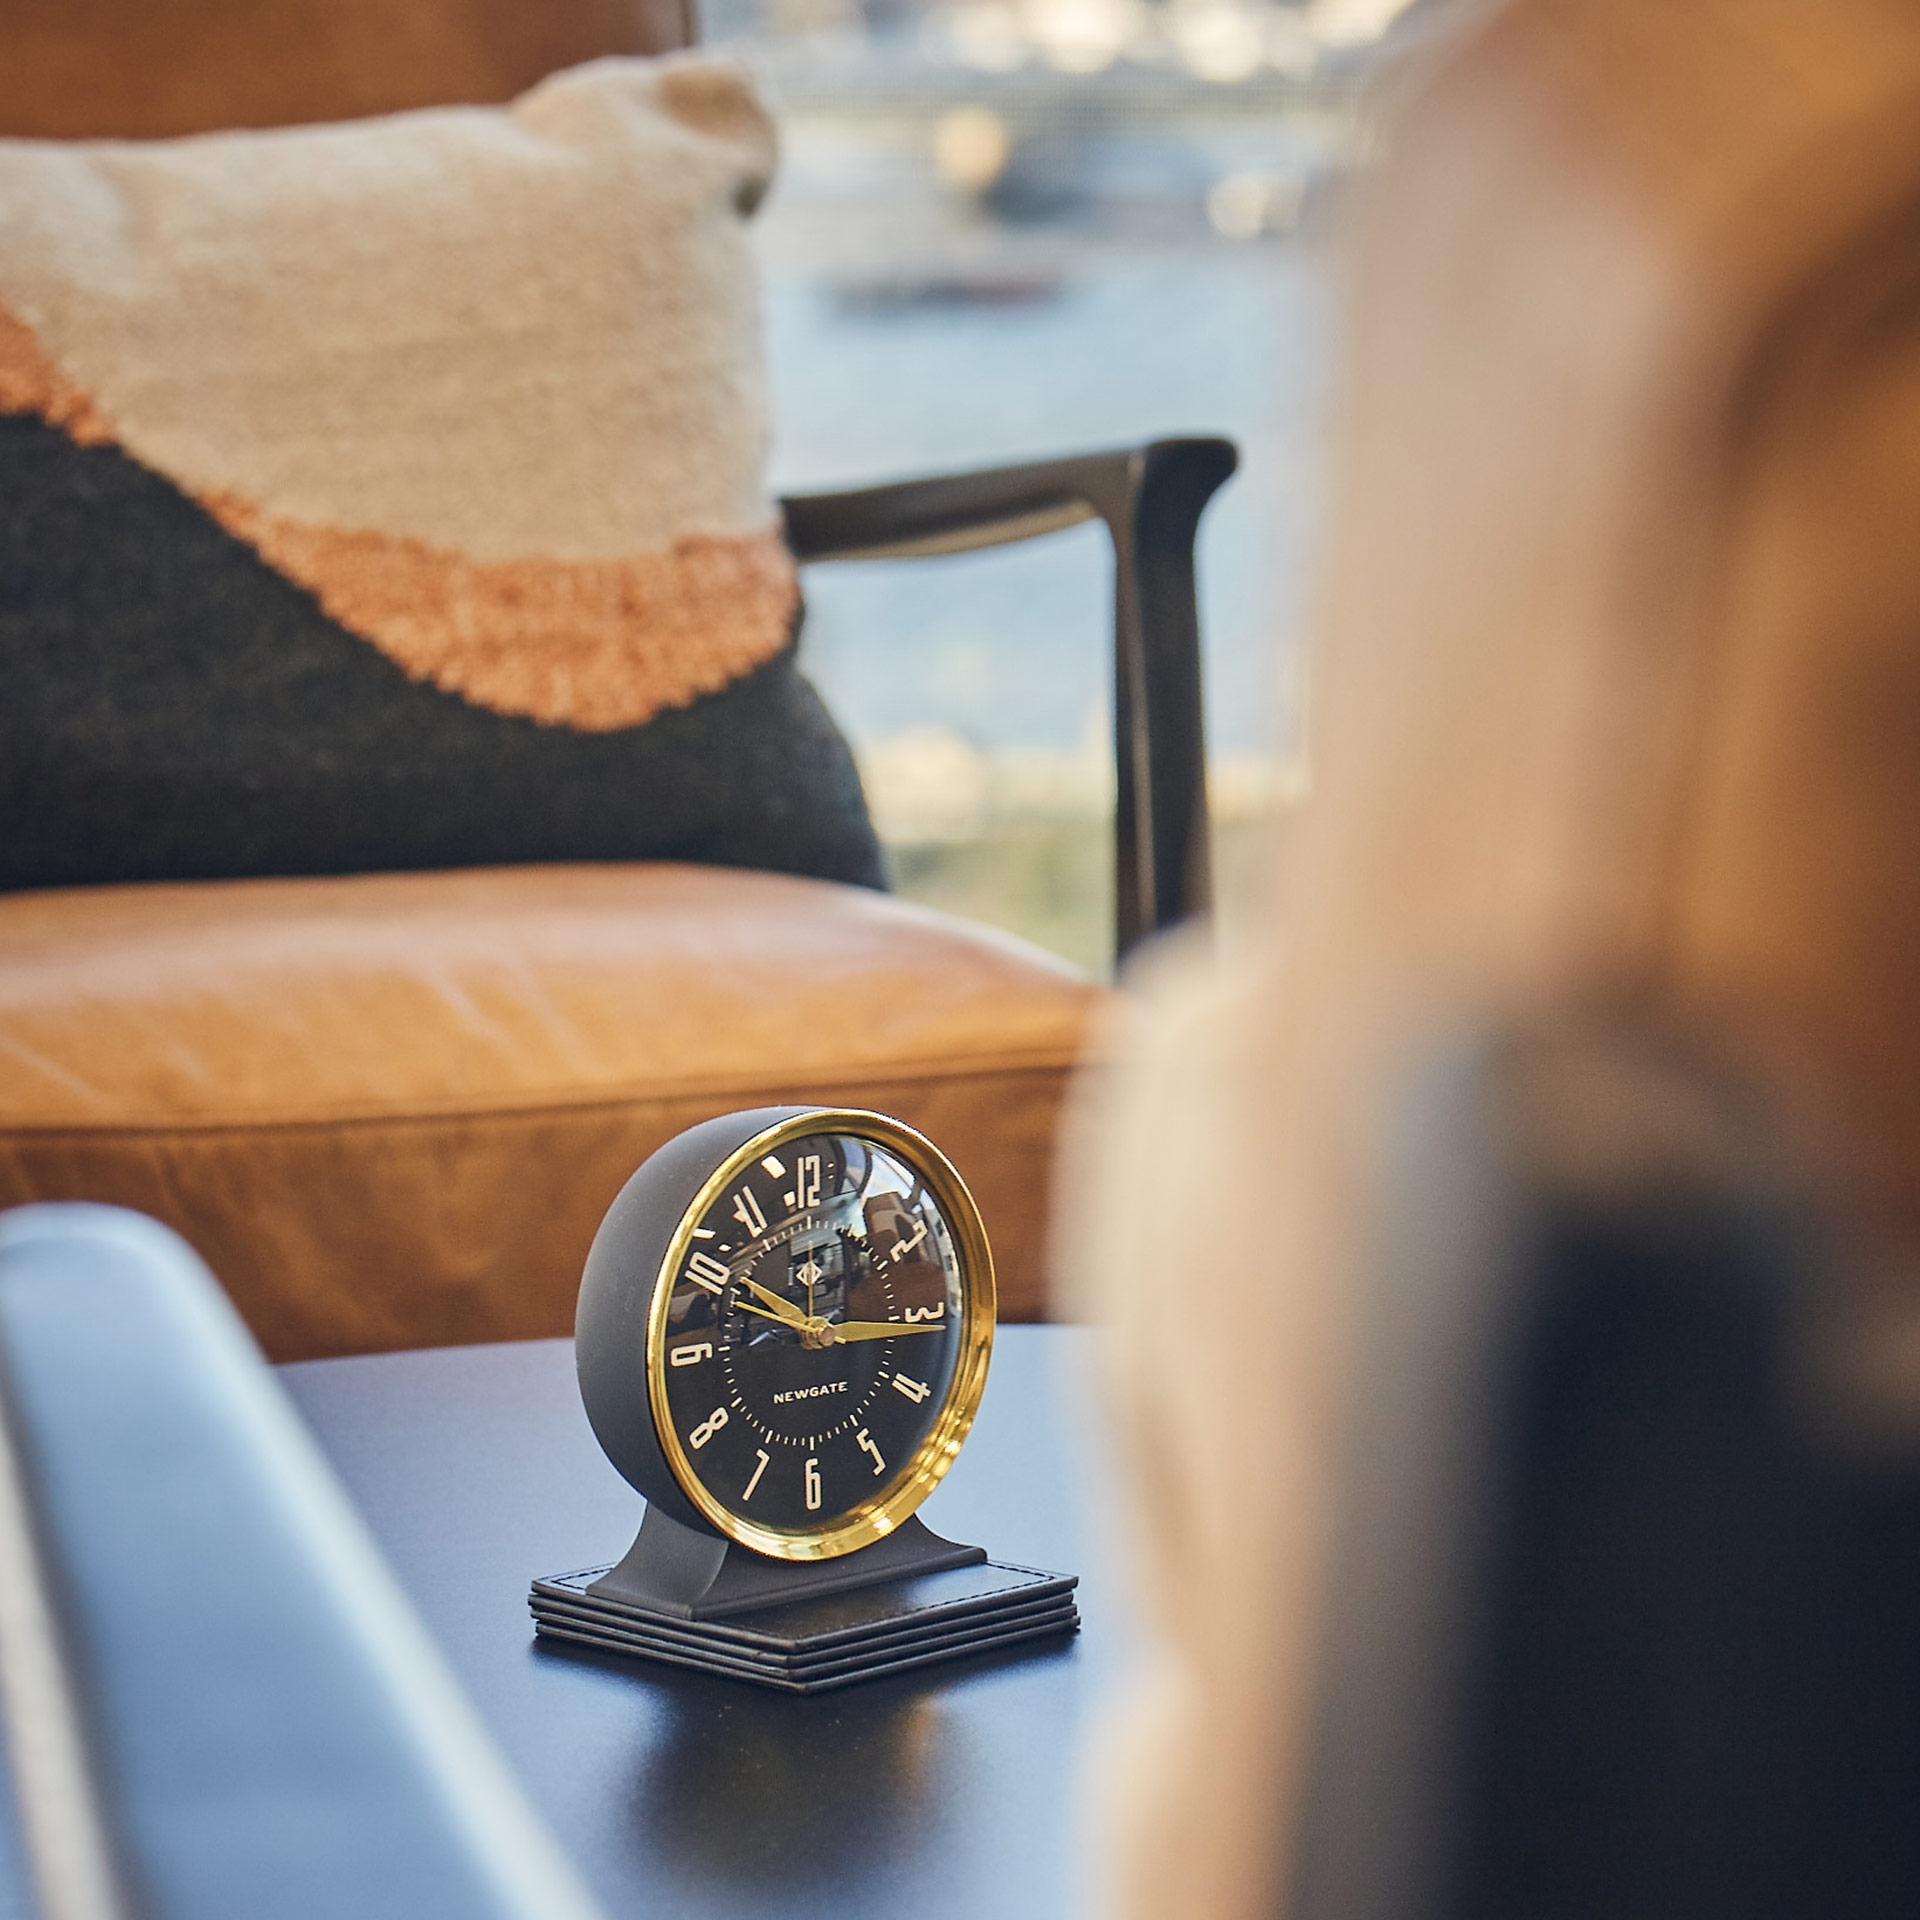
<point x="1009" y="229"/>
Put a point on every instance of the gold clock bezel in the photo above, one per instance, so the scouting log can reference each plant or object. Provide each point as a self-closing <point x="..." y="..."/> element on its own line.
<point x="875" y="1518"/>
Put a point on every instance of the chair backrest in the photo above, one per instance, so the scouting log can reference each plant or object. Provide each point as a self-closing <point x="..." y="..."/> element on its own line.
<point x="1616" y="701"/>
<point x="146" y="69"/>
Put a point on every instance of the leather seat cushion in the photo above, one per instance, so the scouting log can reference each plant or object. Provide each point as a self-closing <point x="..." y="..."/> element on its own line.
<point x="390" y="1110"/>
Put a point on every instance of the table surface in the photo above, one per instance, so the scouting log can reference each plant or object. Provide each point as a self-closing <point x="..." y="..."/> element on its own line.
<point x="953" y="1792"/>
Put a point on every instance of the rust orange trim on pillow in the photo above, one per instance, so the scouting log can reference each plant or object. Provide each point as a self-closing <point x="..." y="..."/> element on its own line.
<point x="591" y="644"/>
<point x="31" y="383"/>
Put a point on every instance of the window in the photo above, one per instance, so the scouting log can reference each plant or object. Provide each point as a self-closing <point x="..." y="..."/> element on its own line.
<point x="1010" y="231"/>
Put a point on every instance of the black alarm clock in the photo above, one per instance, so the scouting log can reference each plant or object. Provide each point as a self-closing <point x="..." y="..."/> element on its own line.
<point x="782" y="1338"/>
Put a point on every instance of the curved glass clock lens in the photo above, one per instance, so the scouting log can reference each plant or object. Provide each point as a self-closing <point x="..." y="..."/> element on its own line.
<point x="813" y="1331"/>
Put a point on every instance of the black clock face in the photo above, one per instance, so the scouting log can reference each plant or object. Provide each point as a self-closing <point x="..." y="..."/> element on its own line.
<point x="812" y="1333"/>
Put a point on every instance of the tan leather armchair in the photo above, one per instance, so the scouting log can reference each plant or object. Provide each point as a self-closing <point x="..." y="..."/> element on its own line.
<point x="389" y="1110"/>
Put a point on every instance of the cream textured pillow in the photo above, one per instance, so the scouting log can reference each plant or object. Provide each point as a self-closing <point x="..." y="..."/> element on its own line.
<point x="408" y="466"/>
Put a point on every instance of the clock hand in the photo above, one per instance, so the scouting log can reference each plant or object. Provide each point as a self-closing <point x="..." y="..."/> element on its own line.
<point x="779" y="1320"/>
<point x="881" y="1329"/>
<point x="782" y="1309"/>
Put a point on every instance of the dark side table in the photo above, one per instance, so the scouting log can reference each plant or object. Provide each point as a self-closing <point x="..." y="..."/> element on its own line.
<point x="947" y="1795"/>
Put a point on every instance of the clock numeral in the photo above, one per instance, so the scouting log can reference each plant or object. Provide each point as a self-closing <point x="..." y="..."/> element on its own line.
<point x="691" y="1356"/>
<point x="705" y="1271"/>
<point x="867" y="1446"/>
<point x="746" y="1209"/>
<point x="708" y="1427"/>
<point x="938" y="1312"/>
<point x="901" y="1248"/>
<point x="915" y="1390"/>
<point x="813" y="1486"/>
<point x="761" y="1455"/>
<point x="806" y="1186"/>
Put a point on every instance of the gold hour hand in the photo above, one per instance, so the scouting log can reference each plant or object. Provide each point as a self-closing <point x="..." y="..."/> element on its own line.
<point x="883" y="1329"/>
<point x="747" y="1306"/>
<point x="782" y="1309"/>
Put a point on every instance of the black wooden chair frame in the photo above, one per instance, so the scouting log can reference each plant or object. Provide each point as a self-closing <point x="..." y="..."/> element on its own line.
<point x="1151" y="498"/>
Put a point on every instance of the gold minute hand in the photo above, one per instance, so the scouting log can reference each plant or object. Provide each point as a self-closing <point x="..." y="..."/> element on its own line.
<point x="782" y="1309"/>
<point x="882" y="1329"/>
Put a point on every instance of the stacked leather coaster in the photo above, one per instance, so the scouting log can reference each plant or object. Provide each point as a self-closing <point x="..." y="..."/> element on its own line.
<point x="809" y="1645"/>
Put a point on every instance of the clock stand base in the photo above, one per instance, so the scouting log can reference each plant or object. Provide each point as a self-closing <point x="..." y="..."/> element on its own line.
<point x="692" y="1600"/>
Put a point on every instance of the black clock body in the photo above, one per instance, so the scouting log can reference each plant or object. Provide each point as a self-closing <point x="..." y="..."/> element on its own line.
<point x="782" y="1338"/>
<point x="616" y="1297"/>
<point x="784" y="1328"/>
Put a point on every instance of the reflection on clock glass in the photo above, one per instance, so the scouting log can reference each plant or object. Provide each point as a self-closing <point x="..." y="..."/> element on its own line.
<point x="813" y="1331"/>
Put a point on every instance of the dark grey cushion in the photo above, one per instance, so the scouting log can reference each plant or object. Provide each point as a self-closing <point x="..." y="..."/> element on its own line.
<point x="175" y="708"/>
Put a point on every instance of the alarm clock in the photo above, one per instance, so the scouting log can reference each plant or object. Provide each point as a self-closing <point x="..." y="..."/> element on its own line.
<point x="782" y="1338"/>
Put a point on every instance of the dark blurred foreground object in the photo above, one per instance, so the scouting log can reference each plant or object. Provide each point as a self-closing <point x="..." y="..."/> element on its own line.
<point x="1625" y="1619"/>
<point x="217" y="1701"/>
<point x="1616" y="705"/>
<point x="497" y="1047"/>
